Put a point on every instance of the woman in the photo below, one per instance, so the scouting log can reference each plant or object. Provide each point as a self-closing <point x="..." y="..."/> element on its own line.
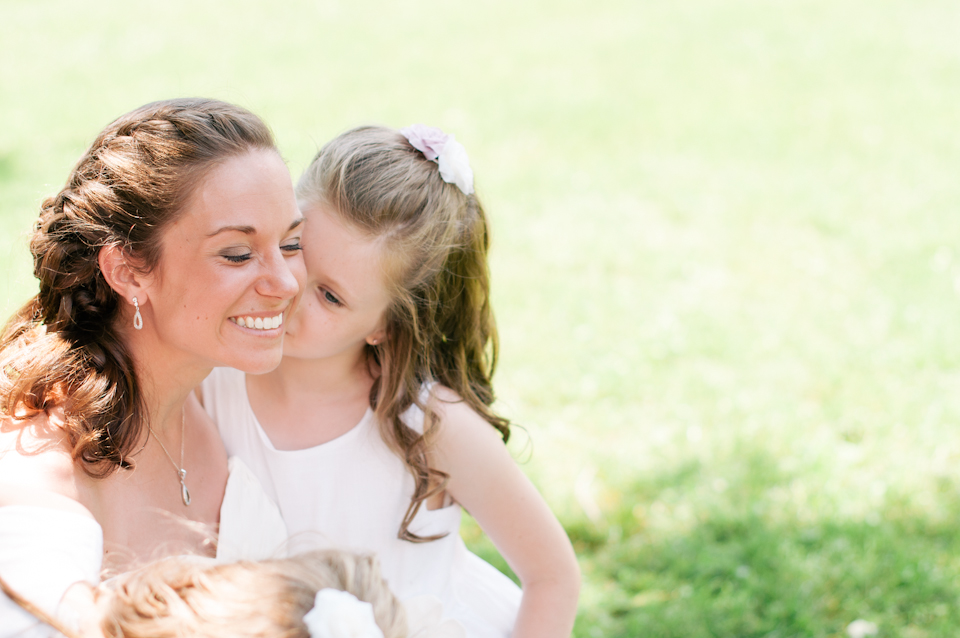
<point x="178" y="222"/>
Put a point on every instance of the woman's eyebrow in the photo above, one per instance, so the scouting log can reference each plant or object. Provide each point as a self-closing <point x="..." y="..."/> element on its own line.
<point x="250" y="230"/>
<point x="246" y="230"/>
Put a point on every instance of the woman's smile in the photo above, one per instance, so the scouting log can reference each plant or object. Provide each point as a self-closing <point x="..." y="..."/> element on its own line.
<point x="259" y="323"/>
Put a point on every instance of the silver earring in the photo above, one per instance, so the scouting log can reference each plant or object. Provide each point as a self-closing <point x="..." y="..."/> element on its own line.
<point x="137" y="318"/>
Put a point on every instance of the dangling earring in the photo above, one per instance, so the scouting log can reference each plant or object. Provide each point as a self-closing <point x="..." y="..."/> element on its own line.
<point x="137" y="318"/>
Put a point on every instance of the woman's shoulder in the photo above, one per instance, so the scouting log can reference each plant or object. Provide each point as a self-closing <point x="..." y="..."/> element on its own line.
<point x="44" y="551"/>
<point x="36" y="464"/>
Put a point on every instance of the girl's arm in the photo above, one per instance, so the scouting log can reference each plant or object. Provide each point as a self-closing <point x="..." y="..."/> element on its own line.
<point x="486" y="481"/>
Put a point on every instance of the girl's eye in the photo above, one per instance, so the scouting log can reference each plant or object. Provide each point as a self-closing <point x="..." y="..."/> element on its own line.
<point x="292" y="247"/>
<point x="237" y="259"/>
<point x="329" y="296"/>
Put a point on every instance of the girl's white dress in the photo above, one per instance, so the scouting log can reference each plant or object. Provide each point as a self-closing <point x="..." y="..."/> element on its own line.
<point x="352" y="493"/>
<point x="44" y="551"/>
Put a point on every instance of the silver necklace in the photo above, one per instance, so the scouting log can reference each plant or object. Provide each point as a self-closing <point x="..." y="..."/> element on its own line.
<point x="181" y="473"/>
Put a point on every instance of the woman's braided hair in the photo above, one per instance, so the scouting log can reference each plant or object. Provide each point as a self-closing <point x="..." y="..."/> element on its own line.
<point x="63" y="347"/>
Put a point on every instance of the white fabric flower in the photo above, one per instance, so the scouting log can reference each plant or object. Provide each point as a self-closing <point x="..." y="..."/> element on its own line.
<point x="446" y="151"/>
<point x="340" y="614"/>
<point x="455" y="165"/>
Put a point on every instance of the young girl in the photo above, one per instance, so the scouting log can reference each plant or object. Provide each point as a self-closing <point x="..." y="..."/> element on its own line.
<point x="377" y="427"/>
<point x="324" y="594"/>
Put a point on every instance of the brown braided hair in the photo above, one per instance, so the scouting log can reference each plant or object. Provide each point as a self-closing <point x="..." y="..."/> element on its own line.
<point x="62" y="347"/>
<point x="439" y="326"/>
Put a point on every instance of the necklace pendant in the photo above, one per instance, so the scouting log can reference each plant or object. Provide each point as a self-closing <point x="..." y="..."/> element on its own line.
<point x="184" y="492"/>
<point x="181" y="472"/>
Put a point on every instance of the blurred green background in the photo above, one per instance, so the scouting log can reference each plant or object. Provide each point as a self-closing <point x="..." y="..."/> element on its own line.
<point x="725" y="262"/>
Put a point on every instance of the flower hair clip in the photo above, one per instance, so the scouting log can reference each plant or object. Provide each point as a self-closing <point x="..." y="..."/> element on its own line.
<point x="446" y="151"/>
<point x="340" y="614"/>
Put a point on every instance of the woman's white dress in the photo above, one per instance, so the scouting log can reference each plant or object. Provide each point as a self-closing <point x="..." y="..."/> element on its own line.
<point x="44" y="551"/>
<point x="352" y="493"/>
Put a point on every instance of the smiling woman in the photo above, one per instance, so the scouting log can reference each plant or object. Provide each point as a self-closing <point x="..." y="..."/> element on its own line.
<point x="173" y="246"/>
<point x="225" y="266"/>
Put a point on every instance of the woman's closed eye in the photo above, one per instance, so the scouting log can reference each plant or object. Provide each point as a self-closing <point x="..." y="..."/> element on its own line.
<point x="237" y="259"/>
<point x="292" y="246"/>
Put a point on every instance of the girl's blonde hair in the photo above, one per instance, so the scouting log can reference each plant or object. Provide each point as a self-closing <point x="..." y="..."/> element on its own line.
<point x="439" y="326"/>
<point x="179" y="597"/>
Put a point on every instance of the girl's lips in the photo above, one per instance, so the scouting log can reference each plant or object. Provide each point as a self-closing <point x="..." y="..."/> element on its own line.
<point x="259" y="323"/>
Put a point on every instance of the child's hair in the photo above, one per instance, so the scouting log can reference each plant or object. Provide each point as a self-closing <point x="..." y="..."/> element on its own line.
<point x="439" y="326"/>
<point x="181" y="596"/>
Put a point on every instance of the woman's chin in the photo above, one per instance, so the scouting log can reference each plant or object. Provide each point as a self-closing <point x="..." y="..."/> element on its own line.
<point x="255" y="360"/>
<point x="259" y="365"/>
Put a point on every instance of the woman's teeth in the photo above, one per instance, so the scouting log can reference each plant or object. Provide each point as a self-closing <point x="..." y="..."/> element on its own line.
<point x="259" y="323"/>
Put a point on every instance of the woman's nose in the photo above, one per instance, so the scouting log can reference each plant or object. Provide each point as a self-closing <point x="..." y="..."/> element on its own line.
<point x="283" y="277"/>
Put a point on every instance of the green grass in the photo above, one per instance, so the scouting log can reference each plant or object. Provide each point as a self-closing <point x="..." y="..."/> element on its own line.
<point x="726" y="262"/>
<point x="683" y="556"/>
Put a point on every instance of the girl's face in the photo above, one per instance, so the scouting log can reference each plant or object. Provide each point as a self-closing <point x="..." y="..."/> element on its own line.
<point x="230" y="267"/>
<point x="346" y="295"/>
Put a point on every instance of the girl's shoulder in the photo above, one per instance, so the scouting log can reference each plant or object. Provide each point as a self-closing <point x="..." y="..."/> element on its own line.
<point x="454" y="414"/>
<point x="437" y="398"/>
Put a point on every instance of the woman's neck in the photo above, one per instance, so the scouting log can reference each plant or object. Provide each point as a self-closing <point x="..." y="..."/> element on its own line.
<point x="166" y="377"/>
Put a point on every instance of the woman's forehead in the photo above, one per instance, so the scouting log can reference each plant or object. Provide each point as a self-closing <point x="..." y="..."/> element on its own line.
<point x="251" y="191"/>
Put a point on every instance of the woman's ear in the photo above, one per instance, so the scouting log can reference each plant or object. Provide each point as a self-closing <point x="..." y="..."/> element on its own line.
<point x="120" y="274"/>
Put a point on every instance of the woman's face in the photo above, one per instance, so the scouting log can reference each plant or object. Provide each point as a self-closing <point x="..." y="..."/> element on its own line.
<point x="230" y="268"/>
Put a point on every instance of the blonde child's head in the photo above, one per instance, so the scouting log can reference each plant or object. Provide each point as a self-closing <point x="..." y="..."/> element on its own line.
<point x="433" y="237"/>
<point x="177" y="597"/>
<point x="182" y="596"/>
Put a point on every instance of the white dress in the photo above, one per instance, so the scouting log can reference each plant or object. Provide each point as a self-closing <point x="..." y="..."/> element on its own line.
<point x="352" y="493"/>
<point x="44" y="551"/>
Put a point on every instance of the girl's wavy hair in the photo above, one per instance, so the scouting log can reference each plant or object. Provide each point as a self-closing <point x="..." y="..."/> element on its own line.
<point x="182" y="596"/>
<point x="439" y="326"/>
<point x="63" y="347"/>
